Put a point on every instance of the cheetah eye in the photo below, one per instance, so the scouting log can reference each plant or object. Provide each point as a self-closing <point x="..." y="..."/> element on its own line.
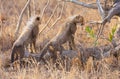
<point x="38" y="18"/>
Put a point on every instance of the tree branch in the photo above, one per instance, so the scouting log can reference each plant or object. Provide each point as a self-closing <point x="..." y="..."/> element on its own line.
<point x="100" y="9"/>
<point x="29" y="11"/>
<point x="34" y="6"/>
<point x="58" y="17"/>
<point x="20" y="18"/>
<point x="45" y="8"/>
<point x="49" y="18"/>
<point x="83" y="4"/>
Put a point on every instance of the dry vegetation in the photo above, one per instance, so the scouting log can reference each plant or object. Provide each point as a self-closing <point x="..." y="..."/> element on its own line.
<point x="9" y="13"/>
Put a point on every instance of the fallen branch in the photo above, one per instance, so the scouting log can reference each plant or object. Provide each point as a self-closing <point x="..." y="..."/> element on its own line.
<point x="97" y="52"/>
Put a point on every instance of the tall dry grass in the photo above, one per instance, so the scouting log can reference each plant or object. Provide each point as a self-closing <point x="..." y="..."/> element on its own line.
<point x="104" y="71"/>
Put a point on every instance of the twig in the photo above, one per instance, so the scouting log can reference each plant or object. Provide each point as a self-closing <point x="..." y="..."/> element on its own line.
<point x="20" y="18"/>
<point x="99" y="33"/>
<point x="100" y="9"/>
<point x="1" y="29"/>
<point x="102" y="13"/>
<point x="29" y="11"/>
<point x="45" y="8"/>
<point x="94" y="22"/>
<point x="58" y="17"/>
<point x="49" y="19"/>
<point x="34" y="7"/>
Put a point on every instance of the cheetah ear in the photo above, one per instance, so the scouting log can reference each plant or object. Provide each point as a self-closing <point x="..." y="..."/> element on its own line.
<point x="38" y="18"/>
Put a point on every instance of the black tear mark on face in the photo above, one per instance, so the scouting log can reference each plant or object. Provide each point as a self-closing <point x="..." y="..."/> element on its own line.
<point x="38" y="18"/>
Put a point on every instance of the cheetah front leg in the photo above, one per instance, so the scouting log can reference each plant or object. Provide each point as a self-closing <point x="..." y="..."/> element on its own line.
<point x="72" y="45"/>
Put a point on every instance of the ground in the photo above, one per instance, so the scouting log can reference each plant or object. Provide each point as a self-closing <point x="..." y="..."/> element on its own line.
<point x="10" y="10"/>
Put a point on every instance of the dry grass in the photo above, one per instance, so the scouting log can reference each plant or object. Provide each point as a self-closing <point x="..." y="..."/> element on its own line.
<point x="106" y="69"/>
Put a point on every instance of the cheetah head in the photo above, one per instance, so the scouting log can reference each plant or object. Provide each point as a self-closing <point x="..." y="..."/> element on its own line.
<point x="36" y="20"/>
<point x="79" y="19"/>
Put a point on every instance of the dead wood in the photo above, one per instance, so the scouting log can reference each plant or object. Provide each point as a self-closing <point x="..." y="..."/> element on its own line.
<point x="96" y="52"/>
<point x="20" y="18"/>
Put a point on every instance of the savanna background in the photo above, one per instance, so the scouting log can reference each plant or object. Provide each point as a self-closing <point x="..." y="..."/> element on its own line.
<point x="9" y="14"/>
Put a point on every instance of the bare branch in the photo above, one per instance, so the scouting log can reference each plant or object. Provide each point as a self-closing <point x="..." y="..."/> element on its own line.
<point x="82" y="4"/>
<point x="102" y="13"/>
<point x="20" y="18"/>
<point x="58" y="17"/>
<point x="49" y="19"/>
<point x="45" y="8"/>
<point x="96" y="5"/>
<point x="29" y="11"/>
<point x="34" y="7"/>
<point x="95" y="22"/>
<point x="113" y="11"/>
<point x="100" y="9"/>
